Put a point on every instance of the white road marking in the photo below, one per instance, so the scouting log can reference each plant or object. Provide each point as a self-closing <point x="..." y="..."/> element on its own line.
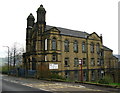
<point x="44" y="89"/>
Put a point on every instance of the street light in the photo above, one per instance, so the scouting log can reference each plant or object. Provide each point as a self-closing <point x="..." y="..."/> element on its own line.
<point x="8" y="57"/>
<point x="80" y="63"/>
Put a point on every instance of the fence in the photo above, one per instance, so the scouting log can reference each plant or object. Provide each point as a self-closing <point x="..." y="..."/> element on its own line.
<point x="20" y="72"/>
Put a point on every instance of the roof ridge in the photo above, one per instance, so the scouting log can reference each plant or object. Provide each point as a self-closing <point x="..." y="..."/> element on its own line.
<point x="68" y="29"/>
<point x="69" y="32"/>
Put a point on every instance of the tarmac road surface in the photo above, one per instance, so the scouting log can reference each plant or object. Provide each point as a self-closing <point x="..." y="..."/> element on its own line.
<point x="10" y="87"/>
<point x="12" y="84"/>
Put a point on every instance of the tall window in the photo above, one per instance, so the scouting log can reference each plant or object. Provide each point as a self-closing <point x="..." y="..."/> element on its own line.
<point x="75" y="46"/>
<point x="54" y="57"/>
<point x="92" y="48"/>
<point x="98" y="62"/>
<point x="46" y="45"/>
<point x="54" y="44"/>
<point x="92" y="61"/>
<point x="45" y="57"/>
<point x="75" y="75"/>
<point x="84" y="62"/>
<point x="33" y="64"/>
<point x="34" y="45"/>
<point x="76" y="62"/>
<point x="84" y="75"/>
<point x="67" y="74"/>
<point x="66" y="46"/>
<point x="83" y="47"/>
<point x="102" y="73"/>
<point x="102" y="61"/>
<point x="101" y="53"/>
<point x="99" y="74"/>
<point x="67" y="61"/>
<point x="98" y="48"/>
<point x="29" y="63"/>
<point x="92" y="75"/>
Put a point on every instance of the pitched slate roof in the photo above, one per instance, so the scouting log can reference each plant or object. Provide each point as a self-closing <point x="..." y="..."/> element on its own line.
<point x="64" y="31"/>
<point x="106" y="48"/>
<point x="115" y="57"/>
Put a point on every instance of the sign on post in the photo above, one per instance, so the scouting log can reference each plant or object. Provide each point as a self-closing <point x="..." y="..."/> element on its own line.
<point x="80" y="61"/>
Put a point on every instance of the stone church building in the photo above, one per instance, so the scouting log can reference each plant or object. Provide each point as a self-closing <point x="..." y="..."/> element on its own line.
<point x="61" y="50"/>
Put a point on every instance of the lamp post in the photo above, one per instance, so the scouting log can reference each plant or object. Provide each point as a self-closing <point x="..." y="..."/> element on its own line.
<point x="8" y="58"/>
<point x="80" y="63"/>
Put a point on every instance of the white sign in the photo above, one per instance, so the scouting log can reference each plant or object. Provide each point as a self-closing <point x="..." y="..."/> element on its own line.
<point x="53" y="66"/>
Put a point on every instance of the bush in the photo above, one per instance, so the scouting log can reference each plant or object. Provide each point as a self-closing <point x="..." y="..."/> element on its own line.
<point x="106" y="80"/>
<point x="4" y="69"/>
<point x="55" y="76"/>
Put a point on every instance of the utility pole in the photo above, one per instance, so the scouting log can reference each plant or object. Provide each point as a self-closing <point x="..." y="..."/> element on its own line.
<point x="8" y="58"/>
<point x="14" y="57"/>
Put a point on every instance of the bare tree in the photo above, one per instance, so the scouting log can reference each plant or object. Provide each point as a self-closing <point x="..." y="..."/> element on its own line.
<point x="10" y="59"/>
<point x="16" y="54"/>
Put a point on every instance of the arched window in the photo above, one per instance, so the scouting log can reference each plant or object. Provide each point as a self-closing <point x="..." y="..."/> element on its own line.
<point x="66" y="46"/>
<point x="75" y="46"/>
<point x="54" y="44"/>
<point x="92" y="48"/>
<point x="83" y="47"/>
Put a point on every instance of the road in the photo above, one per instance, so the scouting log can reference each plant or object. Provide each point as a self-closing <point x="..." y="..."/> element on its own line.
<point x="22" y="85"/>
<point x="12" y="87"/>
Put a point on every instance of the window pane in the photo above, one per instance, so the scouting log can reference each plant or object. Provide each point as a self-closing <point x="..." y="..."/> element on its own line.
<point x="75" y="46"/>
<point x="83" y="47"/>
<point x="45" y="44"/>
<point x="33" y="64"/>
<point x="45" y="58"/>
<point x="84" y="62"/>
<point x="92" y="48"/>
<point x="53" y="44"/>
<point x="34" y="45"/>
<point x="66" y="61"/>
<point x="98" y="62"/>
<point x="76" y="63"/>
<point x="66" y="45"/>
<point x="76" y="75"/>
<point x="84" y="75"/>
<point x="67" y="74"/>
<point x="92" y="62"/>
<point x="92" y="75"/>
<point x="98" y="48"/>
<point x="54" y="58"/>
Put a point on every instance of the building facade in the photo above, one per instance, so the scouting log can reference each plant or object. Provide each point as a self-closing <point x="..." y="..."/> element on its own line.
<point x="60" y="50"/>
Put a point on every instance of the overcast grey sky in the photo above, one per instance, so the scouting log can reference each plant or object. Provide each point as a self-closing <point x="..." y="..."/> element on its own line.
<point x="100" y="16"/>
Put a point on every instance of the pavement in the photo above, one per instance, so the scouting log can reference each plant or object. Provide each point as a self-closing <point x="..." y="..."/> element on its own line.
<point x="59" y="87"/>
